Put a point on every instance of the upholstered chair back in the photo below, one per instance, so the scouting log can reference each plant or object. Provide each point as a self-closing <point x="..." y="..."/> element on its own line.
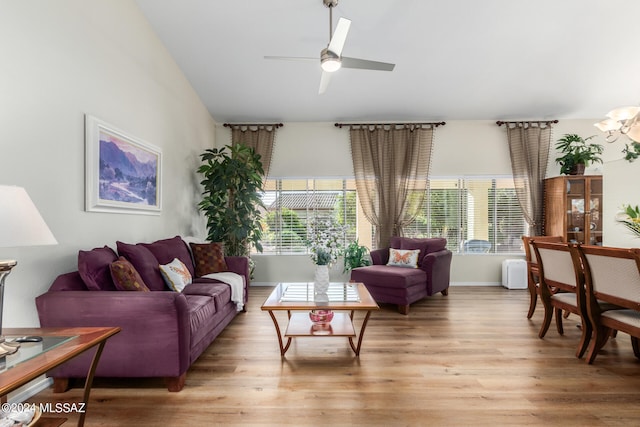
<point x="426" y="245"/>
<point x="614" y="273"/>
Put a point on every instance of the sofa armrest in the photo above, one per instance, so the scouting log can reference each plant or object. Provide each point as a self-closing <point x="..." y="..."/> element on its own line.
<point x="238" y="265"/>
<point x="379" y="256"/>
<point x="437" y="265"/>
<point x="146" y="319"/>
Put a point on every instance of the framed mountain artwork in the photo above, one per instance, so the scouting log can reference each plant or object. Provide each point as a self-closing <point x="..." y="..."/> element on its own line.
<point x="122" y="173"/>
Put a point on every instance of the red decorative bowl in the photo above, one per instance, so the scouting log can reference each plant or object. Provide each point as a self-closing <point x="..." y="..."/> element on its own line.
<point x="321" y="317"/>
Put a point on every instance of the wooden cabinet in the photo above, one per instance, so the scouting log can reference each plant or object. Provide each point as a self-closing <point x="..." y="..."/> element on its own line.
<point x="573" y="208"/>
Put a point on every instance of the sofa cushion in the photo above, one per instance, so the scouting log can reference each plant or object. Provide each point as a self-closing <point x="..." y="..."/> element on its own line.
<point x="166" y="250"/>
<point x="145" y="263"/>
<point x="389" y="276"/>
<point x="176" y="275"/>
<point x="125" y="277"/>
<point x="407" y="258"/>
<point x="221" y="292"/>
<point x="208" y="258"/>
<point x="201" y="310"/>
<point x="93" y="267"/>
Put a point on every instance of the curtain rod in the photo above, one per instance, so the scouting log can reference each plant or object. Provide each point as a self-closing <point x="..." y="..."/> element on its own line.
<point x="547" y="122"/>
<point x="436" y="124"/>
<point x="275" y="125"/>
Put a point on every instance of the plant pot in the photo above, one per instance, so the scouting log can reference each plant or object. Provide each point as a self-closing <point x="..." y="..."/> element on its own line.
<point x="577" y="169"/>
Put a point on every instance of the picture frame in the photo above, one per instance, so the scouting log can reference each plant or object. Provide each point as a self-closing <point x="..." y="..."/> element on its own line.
<point x="123" y="174"/>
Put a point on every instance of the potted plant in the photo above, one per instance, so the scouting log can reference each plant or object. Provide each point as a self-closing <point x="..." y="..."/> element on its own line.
<point x="355" y="255"/>
<point x="577" y="154"/>
<point x="231" y="198"/>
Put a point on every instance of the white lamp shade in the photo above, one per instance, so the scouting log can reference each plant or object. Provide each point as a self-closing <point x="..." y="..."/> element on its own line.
<point x="20" y="221"/>
<point x="634" y="133"/>
<point x="608" y="125"/>
<point x="623" y="113"/>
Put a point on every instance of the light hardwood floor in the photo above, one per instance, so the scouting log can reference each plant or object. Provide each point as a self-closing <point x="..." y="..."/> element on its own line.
<point x="469" y="359"/>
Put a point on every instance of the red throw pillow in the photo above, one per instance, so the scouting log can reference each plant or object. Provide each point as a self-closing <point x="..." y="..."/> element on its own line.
<point x="208" y="258"/>
<point x="126" y="277"/>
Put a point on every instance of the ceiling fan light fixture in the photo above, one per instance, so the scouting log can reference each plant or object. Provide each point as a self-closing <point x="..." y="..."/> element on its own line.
<point x="329" y="61"/>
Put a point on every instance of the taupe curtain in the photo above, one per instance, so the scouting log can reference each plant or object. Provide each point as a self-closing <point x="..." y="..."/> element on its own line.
<point x="391" y="165"/>
<point x="259" y="137"/>
<point x="529" y="144"/>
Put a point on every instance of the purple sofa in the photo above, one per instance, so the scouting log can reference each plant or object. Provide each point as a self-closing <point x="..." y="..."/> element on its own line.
<point x="163" y="331"/>
<point x="404" y="286"/>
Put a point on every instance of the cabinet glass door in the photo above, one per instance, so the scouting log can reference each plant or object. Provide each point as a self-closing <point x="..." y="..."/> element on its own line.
<point x="577" y="207"/>
<point x="594" y="217"/>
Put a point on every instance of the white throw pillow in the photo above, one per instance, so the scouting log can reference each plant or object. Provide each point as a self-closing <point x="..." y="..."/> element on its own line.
<point x="403" y="257"/>
<point x="176" y="275"/>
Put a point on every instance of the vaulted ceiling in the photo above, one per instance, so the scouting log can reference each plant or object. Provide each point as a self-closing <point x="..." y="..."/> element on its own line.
<point x="455" y="59"/>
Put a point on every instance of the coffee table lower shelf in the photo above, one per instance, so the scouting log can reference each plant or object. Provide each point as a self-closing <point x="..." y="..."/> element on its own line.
<point x="301" y="326"/>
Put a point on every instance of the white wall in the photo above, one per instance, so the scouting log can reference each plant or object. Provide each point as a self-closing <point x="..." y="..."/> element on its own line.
<point x="61" y="60"/>
<point x="467" y="147"/>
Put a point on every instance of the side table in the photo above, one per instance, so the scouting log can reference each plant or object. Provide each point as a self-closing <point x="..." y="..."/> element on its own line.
<point x="59" y="346"/>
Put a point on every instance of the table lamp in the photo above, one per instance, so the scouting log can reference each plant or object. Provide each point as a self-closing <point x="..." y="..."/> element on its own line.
<point x="20" y="225"/>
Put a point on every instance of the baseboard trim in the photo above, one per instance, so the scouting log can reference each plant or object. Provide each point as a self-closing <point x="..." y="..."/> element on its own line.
<point x="451" y="284"/>
<point x="475" y="284"/>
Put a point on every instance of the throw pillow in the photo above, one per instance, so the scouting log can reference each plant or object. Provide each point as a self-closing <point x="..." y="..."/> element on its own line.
<point x="208" y="258"/>
<point x="126" y="277"/>
<point x="145" y="263"/>
<point x="176" y="275"/>
<point x="404" y="258"/>
<point x="93" y="267"/>
<point x="166" y="250"/>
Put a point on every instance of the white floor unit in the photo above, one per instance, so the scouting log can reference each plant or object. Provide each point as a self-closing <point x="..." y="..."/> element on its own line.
<point x="514" y="274"/>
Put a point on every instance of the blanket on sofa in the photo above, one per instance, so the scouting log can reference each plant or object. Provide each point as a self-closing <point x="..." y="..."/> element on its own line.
<point x="236" y="282"/>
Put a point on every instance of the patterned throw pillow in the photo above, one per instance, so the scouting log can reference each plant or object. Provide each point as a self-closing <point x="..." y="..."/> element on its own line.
<point x="176" y="275"/>
<point x="126" y="277"/>
<point x="208" y="258"/>
<point x="404" y="257"/>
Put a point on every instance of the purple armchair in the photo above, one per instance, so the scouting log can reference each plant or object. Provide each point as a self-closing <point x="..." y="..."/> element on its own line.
<point x="404" y="286"/>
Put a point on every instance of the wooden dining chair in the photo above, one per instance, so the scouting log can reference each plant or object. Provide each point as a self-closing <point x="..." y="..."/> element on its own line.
<point x="561" y="289"/>
<point x="532" y="268"/>
<point x="612" y="277"/>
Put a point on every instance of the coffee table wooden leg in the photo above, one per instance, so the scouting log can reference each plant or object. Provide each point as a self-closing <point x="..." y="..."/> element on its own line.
<point x="89" y="381"/>
<point x="355" y="349"/>
<point x="283" y="349"/>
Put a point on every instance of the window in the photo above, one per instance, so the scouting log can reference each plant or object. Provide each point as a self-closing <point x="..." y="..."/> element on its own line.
<point x="479" y="215"/>
<point x="292" y="204"/>
<point x="475" y="214"/>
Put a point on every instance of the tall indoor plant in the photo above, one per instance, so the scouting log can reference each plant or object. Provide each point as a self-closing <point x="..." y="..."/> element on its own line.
<point x="231" y="197"/>
<point x="577" y="153"/>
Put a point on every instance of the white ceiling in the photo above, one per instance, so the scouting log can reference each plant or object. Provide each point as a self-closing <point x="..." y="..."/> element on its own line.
<point x="455" y="59"/>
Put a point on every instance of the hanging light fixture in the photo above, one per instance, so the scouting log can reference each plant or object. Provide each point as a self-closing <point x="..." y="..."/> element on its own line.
<point x="621" y="121"/>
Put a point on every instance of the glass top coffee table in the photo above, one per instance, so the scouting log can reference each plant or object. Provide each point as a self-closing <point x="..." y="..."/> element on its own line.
<point x="349" y="297"/>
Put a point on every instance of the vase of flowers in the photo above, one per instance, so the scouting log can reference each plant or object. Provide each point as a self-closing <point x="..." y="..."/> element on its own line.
<point x="630" y="218"/>
<point x="325" y="238"/>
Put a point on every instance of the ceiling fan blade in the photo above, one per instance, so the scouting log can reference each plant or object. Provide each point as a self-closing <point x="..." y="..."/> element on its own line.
<point x="365" y="64"/>
<point x="324" y="82"/>
<point x="292" y="58"/>
<point x="339" y="36"/>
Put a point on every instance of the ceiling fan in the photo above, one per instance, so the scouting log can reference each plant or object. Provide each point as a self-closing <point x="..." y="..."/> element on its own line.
<point x="331" y="58"/>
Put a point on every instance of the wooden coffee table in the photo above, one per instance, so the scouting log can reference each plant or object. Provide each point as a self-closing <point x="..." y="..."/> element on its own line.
<point x="349" y="297"/>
